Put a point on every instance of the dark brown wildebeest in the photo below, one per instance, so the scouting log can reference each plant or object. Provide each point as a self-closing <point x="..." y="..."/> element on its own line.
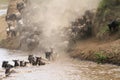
<point x="48" y="55"/>
<point x="31" y="59"/>
<point x="4" y="64"/>
<point x="11" y="17"/>
<point x="14" y="14"/>
<point x="13" y="31"/>
<point x="113" y="26"/>
<point x="20" y="6"/>
<point x="16" y="63"/>
<point x="23" y="63"/>
<point x="7" y="67"/>
<point x="39" y="61"/>
<point x="7" y="70"/>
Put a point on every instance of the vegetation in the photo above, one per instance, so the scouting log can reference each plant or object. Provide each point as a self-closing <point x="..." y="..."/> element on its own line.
<point x="100" y="57"/>
<point x="102" y="32"/>
<point x="108" y="10"/>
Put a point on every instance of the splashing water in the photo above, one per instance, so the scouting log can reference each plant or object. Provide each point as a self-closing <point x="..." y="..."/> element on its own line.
<point x="63" y="68"/>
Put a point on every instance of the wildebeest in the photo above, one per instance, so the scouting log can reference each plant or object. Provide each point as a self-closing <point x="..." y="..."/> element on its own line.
<point x="8" y="32"/>
<point x="4" y="64"/>
<point x="7" y="69"/>
<point x="48" y="55"/>
<point x="13" y="31"/>
<point x="11" y="17"/>
<point x="113" y="26"/>
<point x="31" y="59"/>
<point x="23" y="63"/>
<point x="20" y="6"/>
<point x="14" y="14"/>
<point x="16" y="63"/>
<point x="39" y="61"/>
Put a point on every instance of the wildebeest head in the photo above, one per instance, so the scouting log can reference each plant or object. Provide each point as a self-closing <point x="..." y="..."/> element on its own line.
<point x="11" y="17"/>
<point x="21" y="5"/>
<point x="4" y="64"/>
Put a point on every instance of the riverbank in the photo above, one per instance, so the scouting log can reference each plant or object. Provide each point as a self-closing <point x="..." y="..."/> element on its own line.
<point x="3" y="26"/>
<point x="100" y="52"/>
<point x="105" y="47"/>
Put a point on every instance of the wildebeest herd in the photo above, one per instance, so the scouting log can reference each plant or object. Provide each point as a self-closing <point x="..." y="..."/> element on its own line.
<point x="14" y="16"/>
<point x="32" y="60"/>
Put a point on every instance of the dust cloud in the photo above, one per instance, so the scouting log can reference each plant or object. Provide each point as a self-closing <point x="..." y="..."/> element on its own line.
<point x="49" y="17"/>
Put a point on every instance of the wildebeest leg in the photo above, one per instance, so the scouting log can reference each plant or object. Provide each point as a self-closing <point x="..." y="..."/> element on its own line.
<point x="21" y="63"/>
<point x="11" y="33"/>
<point x="7" y="72"/>
<point x="37" y="60"/>
<point x="115" y="28"/>
<point x="8" y="33"/>
<point x="25" y="64"/>
<point x="46" y="55"/>
<point x="16" y="63"/>
<point x="33" y="63"/>
<point x="40" y="62"/>
<point x="14" y="33"/>
<point x="110" y="28"/>
<point x="30" y="58"/>
<point x="7" y="69"/>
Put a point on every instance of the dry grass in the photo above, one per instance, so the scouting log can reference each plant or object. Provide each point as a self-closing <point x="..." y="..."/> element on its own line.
<point x="87" y="51"/>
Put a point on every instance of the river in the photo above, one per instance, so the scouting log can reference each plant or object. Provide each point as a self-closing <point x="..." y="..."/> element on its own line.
<point x="3" y="11"/>
<point x="63" y="68"/>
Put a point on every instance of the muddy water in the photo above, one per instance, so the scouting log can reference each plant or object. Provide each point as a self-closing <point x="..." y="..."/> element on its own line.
<point x="63" y="68"/>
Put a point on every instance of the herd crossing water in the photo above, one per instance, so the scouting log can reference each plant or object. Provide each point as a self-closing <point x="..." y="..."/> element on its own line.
<point x="63" y="68"/>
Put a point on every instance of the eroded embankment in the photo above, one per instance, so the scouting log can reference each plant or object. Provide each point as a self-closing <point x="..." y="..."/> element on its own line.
<point x="101" y="52"/>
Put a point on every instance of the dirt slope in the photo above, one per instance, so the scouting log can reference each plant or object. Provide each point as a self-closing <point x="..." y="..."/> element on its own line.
<point x="3" y="26"/>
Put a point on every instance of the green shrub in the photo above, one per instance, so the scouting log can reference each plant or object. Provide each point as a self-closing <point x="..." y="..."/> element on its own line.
<point x="108" y="4"/>
<point x="100" y="57"/>
<point x="102" y="32"/>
